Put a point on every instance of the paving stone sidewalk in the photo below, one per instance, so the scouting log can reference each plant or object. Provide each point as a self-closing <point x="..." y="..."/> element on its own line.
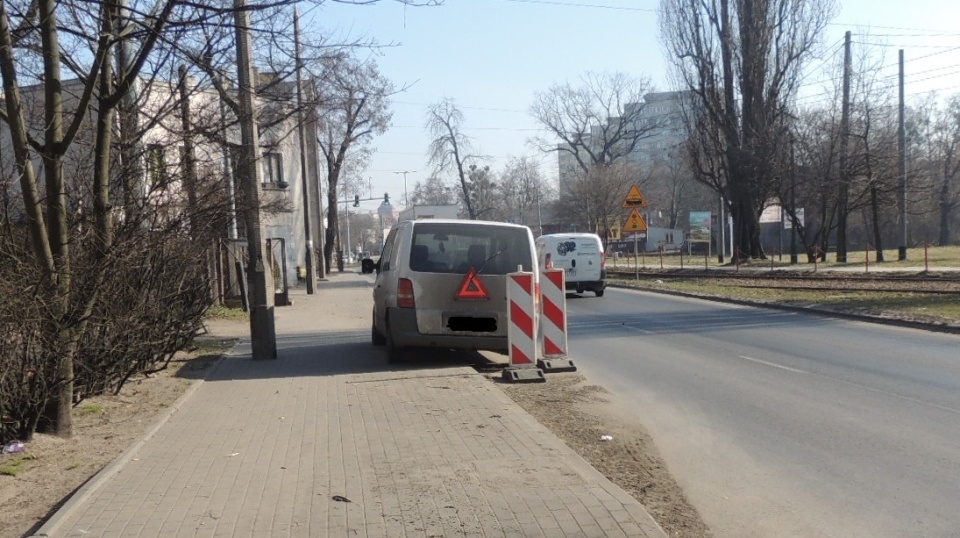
<point x="330" y="440"/>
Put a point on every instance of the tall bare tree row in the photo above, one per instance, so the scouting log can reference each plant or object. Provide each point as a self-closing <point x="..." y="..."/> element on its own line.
<point x="110" y="231"/>
<point x="742" y="60"/>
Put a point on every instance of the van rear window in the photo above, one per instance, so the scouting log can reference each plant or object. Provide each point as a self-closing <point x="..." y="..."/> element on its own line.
<point x="456" y="247"/>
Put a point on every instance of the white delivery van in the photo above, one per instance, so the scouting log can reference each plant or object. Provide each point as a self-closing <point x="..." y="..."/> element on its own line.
<point x="581" y="257"/>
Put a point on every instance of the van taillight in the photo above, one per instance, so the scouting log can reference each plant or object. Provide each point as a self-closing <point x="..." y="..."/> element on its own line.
<point x="603" y="260"/>
<point x="405" y="294"/>
<point x="548" y="261"/>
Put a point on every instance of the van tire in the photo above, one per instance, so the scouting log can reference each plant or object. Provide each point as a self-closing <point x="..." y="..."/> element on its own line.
<point x="599" y="293"/>
<point x="375" y="337"/>
<point x="394" y="353"/>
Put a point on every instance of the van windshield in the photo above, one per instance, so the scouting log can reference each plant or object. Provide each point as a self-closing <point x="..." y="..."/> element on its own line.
<point x="456" y="247"/>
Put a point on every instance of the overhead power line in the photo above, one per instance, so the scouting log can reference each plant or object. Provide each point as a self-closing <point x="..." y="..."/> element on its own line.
<point x="580" y="4"/>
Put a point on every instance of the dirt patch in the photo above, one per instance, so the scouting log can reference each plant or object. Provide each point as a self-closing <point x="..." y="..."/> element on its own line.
<point x="579" y="414"/>
<point x="34" y="483"/>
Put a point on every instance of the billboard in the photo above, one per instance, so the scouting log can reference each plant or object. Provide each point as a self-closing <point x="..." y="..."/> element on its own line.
<point x="700" y="226"/>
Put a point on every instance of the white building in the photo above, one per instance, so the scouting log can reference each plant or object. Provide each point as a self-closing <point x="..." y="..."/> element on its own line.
<point x="161" y="142"/>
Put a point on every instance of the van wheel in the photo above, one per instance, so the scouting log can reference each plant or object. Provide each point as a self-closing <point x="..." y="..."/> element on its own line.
<point x="375" y="337"/>
<point x="394" y="352"/>
<point x="599" y="293"/>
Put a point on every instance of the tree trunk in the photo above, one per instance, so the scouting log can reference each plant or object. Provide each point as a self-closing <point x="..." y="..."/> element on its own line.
<point x="842" y="216"/>
<point x="101" y="157"/>
<point x="18" y="140"/>
<point x="333" y="225"/>
<point x="57" y="211"/>
<point x="189" y="155"/>
<point x="464" y="187"/>
<point x="875" y="215"/>
<point x="946" y="212"/>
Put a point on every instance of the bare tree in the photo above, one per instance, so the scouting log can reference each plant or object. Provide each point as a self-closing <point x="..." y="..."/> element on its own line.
<point x="485" y="191"/>
<point x="816" y="179"/>
<point x="433" y="191"/>
<point x="742" y="61"/>
<point x="672" y="189"/>
<point x="599" y="123"/>
<point x="522" y="190"/>
<point x="594" y="199"/>
<point x="942" y="164"/>
<point x="450" y="148"/>
<point x="33" y="48"/>
<point x="66" y="55"/>
<point x="874" y="152"/>
<point x="353" y="96"/>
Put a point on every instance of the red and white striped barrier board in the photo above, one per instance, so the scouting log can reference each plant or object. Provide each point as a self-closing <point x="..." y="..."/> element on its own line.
<point x="522" y="329"/>
<point x="554" y="314"/>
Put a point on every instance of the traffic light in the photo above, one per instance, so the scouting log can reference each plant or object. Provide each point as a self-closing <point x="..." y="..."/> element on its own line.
<point x="356" y="200"/>
<point x="386" y="198"/>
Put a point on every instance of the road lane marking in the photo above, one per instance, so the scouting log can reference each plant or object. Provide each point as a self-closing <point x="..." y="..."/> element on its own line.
<point x="775" y="365"/>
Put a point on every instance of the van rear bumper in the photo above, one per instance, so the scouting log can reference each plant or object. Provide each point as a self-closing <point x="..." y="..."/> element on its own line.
<point x="406" y="333"/>
<point x="589" y="285"/>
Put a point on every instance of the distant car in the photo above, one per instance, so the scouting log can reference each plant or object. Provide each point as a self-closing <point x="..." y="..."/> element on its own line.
<point x="442" y="284"/>
<point x="581" y="257"/>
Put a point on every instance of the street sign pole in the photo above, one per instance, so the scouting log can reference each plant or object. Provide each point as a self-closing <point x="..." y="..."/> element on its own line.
<point x="635" y="223"/>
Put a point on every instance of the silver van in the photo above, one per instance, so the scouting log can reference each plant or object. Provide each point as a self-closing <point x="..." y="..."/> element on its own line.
<point x="442" y="284"/>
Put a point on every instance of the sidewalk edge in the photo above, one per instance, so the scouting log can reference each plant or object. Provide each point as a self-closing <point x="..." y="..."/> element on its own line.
<point x="53" y="523"/>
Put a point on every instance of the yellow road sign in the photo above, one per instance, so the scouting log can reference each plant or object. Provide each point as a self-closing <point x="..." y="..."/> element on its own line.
<point x="635" y="222"/>
<point x="634" y="198"/>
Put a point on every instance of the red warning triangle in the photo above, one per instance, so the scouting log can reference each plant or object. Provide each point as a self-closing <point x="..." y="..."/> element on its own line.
<point x="472" y="287"/>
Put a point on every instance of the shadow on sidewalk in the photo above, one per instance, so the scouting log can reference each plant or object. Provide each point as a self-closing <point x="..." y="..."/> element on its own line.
<point x="338" y="353"/>
<point x="334" y="282"/>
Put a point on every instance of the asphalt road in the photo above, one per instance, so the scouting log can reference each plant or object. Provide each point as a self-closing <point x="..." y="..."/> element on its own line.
<point x="785" y="424"/>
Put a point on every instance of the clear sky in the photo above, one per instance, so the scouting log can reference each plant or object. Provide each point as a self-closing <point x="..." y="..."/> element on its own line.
<point x="493" y="56"/>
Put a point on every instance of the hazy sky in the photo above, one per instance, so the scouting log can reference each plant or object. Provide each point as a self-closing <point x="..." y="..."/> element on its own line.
<point x="493" y="56"/>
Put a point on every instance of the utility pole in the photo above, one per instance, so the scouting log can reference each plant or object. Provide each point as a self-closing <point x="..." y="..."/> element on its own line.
<point x="902" y="169"/>
<point x="406" y="198"/>
<point x="307" y="240"/>
<point x="793" y="204"/>
<point x="259" y="271"/>
<point x="844" y="194"/>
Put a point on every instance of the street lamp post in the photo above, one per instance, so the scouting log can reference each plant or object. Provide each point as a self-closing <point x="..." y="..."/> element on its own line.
<point x="406" y="197"/>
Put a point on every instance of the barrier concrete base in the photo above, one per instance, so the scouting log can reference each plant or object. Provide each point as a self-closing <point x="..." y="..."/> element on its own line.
<point x="515" y="374"/>
<point x="555" y="365"/>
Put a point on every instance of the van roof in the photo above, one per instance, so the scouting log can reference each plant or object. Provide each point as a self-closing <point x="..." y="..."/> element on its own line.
<point x="466" y="221"/>
<point x="572" y="235"/>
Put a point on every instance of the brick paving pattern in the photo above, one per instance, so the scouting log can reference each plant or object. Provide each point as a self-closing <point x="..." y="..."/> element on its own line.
<point x="329" y="440"/>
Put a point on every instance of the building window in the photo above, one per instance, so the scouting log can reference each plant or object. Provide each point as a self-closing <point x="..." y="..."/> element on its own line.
<point x="273" y="171"/>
